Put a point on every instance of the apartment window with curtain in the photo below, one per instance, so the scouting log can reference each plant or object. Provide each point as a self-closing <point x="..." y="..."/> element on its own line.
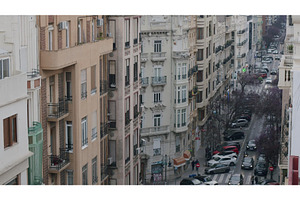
<point x="94" y="125"/>
<point x="4" y="68"/>
<point x="127" y="149"/>
<point x="127" y="33"/>
<point x="83" y="84"/>
<point x="127" y="111"/>
<point x="127" y="75"/>
<point x="70" y="179"/>
<point x="112" y="74"/>
<point x="177" y="143"/>
<point x="183" y="117"/>
<point x="69" y="136"/>
<point x="85" y="174"/>
<point x="200" y="55"/>
<point x="156" y="147"/>
<point x="135" y="30"/>
<point x="10" y="133"/>
<point x="93" y="80"/>
<point x="68" y="86"/>
<point x="94" y="171"/>
<point x="84" y="137"/>
<point x="135" y="108"/>
<point x="157" y="46"/>
<point x="135" y="69"/>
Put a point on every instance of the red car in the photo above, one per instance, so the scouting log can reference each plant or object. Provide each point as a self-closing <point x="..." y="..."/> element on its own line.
<point x="226" y="148"/>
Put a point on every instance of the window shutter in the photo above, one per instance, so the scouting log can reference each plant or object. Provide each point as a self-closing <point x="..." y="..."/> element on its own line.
<point x="6" y="132"/>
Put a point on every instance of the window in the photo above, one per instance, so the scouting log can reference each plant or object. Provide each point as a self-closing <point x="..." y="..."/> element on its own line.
<point x="178" y="71"/>
<point x="135" y="69"/>
<point x="112" y="74"/>
<point x="178" y="94"/>
<point x="112" y="152"/>
<point x="69" y="136"/>
<point x="157" y="118"/>
<point x="84" y="138"/>
<point x="200" y="55"/>
<point x="200" y="34"/>
<point x="178" y="118"/>
<point x="199" y="97"/>
<point x="10" y="131"/>
<point x="68" y="86"/>
<point x="206" y="52"/>
<point x="183" y="70"/>
<point x="183" y="117"/>
<point x="112" y="114"/>
<point x="93" y="30"/>
<point x="85" y="174"/>
<point x="135" y="141"/>
<point x="157" y="46"/>
<point x="93" y="80"/>
<point x="127" y="111"/>
<point x="70" y="177"/>
<point x="157" y="97"/>
<point x="94" y="171"/>
<point x="83" y="84"/>
<point x="4" y="68"/>
<point x="127" y="33"/>
<point x="156" y="147"/>
<point x="135" y="108"/>
<point x="94" y="125"/>
<point x="183" y="93"/>
<point x="127" y="149"/>
<point x="79" y="31"/>
<point x="111" y="30"/>
<point x="127" y="179"/>
<point x="209" y="68"/>
<point x="127" y="75"/>
<point x="50" y="41"/>
<point x="135" y="31"/>
<point x="177" y="141"/>
<point x="200" y="76"/>
<point x="67" y="35"/>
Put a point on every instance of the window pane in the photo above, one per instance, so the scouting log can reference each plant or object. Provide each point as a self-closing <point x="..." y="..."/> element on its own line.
<point x="5" y="68"/>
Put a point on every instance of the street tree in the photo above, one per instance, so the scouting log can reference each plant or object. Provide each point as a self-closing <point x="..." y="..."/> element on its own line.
<point x="244" y="79"/>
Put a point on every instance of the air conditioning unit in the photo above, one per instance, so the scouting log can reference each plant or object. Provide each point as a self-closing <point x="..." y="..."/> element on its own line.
<point x="138" y="150"/>
<point x="62" y="25"/>
<point x="110" y="160"/>
<point x="99" y="22"/>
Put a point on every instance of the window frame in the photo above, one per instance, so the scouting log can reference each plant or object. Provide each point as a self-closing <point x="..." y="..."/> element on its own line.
<point x="157" y="46"/>
<point x="69" y="135"/>
<point x="84" y="134"/>
<point x="2" y="67"/>
<point x="10" y="131"/>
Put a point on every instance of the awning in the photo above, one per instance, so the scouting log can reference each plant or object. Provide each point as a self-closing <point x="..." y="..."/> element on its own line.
<point x="187" y="155"/>
<point x="178" y="162"/>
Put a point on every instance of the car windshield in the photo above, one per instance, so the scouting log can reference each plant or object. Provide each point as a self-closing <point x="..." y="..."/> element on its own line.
<point x="207" y="179"/>
<point x="261" y="164"/>
<point x="252" y="142"/>
<point x="216" y="158"/>
<point x="247" y="159"/>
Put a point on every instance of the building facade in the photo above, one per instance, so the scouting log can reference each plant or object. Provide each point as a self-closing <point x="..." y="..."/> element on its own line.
<point x="124" y="100"/>
<point x="74" y="98"/>
<point x="14" y="51"/>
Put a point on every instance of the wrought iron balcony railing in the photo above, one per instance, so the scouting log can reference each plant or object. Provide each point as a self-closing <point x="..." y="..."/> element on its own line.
<point x="57" y="162"/>
<point x="159" y="80"/>
<point x="56" y="110"/>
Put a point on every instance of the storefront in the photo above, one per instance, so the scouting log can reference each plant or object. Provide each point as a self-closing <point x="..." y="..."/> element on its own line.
<point x="156" y="172"/>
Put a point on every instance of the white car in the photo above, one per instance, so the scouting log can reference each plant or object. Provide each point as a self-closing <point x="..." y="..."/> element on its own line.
<point x="226" y="160"/>
<point x="269" y="80"/>
<point x="233" y="154"/>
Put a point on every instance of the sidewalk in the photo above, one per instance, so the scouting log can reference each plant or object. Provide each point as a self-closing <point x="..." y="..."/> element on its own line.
<point x="200" y="155"/>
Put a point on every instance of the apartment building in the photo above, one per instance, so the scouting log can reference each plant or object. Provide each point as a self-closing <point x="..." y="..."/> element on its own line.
<point x="15" y="52"/>
<point x="124" y="100"/>
<point x="74" y="98"/>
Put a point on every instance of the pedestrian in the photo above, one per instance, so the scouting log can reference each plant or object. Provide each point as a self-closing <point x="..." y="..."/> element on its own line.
<point x="197" y="166"/>
<point x="193" y="165"/>
<point x="252" y="180"/>
<point x="256" y="180"/>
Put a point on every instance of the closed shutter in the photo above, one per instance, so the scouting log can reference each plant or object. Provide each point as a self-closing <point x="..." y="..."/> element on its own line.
<point x="6" y="132"/>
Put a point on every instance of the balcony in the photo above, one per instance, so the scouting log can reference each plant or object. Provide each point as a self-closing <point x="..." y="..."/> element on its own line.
<point x="145" y="81"/>
<point x="58" y="111"/>
<point x="103" y="129"/>
<point x="59" y="162"/>
<point x="59" y="59"/>
<point x="103" y="87"/>
<point x="104" y="171"/>
<point x="159" y="80"/>
<point x="156" y="130"/>
<point x="180" y="54"/>
<point x="158" y="56"/>
<point x="144" y="57"/>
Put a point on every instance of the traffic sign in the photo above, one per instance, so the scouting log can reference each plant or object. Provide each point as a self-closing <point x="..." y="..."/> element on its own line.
<point x="271" y="168"/>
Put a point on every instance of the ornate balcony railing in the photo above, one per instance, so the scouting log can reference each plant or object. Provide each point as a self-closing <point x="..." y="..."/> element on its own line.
<point x="159" y="80"/>
<point x="56" y="110"/>
<point x="57" y="162"/>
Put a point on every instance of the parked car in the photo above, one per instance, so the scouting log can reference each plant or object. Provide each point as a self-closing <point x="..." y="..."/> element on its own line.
<point x="269" y="80"/>
<point x="267" y="182"/>
<point x="190" y="181"/>
<point x="273" y="72"/>
<point x="236" y="179"/>
<point x="277" y="58"/>
<point x="226" y="148"/>
<point x="244" y="116"/>
<point x="206" y="180"/>
<point x="251" y="145"/>
<point x="217" y="168"/>
<point x="225" y="154"/>
<point x="261" y="169"/>
<point x="275" y="51"/>
<point x="226" y="160"/>
<point x="232" y="143"/>
<point x="261" y="157"/>
<point x="247" y="163"/>
<point x="234" y="136"/>
<point x="239" y="123"/>
<point x="267" y="61"/>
